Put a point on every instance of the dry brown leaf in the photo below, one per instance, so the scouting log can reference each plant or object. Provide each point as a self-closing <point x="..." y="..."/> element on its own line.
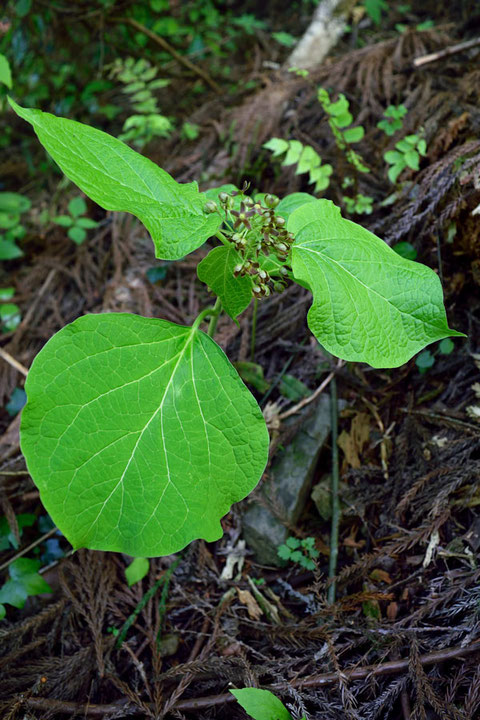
<point x="246" y="598"/>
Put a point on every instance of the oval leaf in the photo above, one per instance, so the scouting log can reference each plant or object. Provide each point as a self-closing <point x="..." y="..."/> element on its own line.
<point x="118" y="178"/>
<point x="139" y="434"/>
<point x="216" y="270"/>
<point x="369" y="304"/>
<point x="261" y="704"/>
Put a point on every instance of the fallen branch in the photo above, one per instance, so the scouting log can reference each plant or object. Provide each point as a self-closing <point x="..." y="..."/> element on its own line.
<point x="14" y="363"/>
<point x="314" y="681"/>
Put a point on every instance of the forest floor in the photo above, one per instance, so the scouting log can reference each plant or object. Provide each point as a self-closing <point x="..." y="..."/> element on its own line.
<point x="402" y="639"/>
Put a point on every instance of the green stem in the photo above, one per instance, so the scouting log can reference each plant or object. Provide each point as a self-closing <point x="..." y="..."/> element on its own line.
<point x="254" y="329"/>
<point x="212" y="312"/>
<point x="212" y="325"/>
<point x="332" y="567"/>
<point x="223" y="239"/>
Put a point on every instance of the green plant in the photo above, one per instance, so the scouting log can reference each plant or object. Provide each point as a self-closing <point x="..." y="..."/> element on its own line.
<point x="76" y="224"/>
<point x="392" y="119"/>
<point x="306" y="159"/>
<point x="359" y="204"/>
<point x="140" y="80"/>
<point x="302" y="552"/>
<point x="10" y="315"/>
<point x="426" y="359"/>
<point x="374" y="9"/>
<point x="339" y="119"/>
<point x="139" y="432"/>
<point x="12" y="205"/>
<point x="24" y="582"/>
<point x="5" y="72"/>
<point x="261" y="704"/>
<point x="406" y="155"/>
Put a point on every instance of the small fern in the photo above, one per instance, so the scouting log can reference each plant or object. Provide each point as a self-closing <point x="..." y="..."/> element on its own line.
<point x="306" y="159"/>
<point x="339" y="118"/>
<point x="140" y="80"/>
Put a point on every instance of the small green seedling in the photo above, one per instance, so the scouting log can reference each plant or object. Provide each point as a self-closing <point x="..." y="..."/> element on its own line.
<point x="10" y="315"/>
<point x="306" y="159"/>
<point x="261" y="704"/>
<point x="406" y="155"/>
<point x="339" y="119"/>
<point x="359" y="204"/>
<point x="12" y="205"/>
<point x="138" y="432"/>
<point x="393" y="119"/>
<point x="24" y="582"/>
<point x="75" y="222"/>
<point x="302" y="552"/>
<point x="426" y="359"/>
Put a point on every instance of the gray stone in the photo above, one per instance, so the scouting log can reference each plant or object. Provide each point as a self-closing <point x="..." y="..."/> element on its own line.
<point x="288" y="488"/>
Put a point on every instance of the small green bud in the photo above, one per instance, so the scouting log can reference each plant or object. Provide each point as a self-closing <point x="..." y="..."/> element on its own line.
<point x="210" y="206"/>
<point x="283" y="271"/>
<point x="271" y="201"/>
<point x="237" y="269"/>
<point x="262" y="274"/>
<point x="281" y="247"/>
<point x="279" y="287"/>
<point x="280" y="221"/>
<point x="266" y="291"/>
<point x="223" y="197"/>
<point x="256" y="289"/>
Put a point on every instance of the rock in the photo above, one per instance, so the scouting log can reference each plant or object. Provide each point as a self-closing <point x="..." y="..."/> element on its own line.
<point x="289" y="486"/>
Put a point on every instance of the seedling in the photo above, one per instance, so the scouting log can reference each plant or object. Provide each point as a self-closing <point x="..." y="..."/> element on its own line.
<point x="302" y="552"/>
<point x="407" y="154"/>
<point x="138" y="432"/>
<point x="306" y="159"/>
<point x="392" y="121"/>
<point x="24" y="582"/>
<point x="12" y="205"/>
<point x="10" y="315"/>
<point x="76" y="224"/>
<point x="426" y="359"/>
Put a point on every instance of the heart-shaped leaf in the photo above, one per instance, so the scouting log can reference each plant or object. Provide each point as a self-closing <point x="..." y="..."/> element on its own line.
<point x="369" y="304"/>
<point x="118" y="178"/>
<point x="139" y="434"/>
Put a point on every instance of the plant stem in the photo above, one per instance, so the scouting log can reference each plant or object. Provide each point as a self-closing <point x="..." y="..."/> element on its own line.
<point x="223" y="239"/>
<point x="212" y="325"/>
<point x="254" y="329"/>
<point x="332" y="566"/>
<point x="213" y="313"/>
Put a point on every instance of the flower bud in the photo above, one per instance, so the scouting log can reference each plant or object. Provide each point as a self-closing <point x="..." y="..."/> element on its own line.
<point x="271" y="201"/>
<point x="283" y="271"/>
<point x="210" y="206"/>
<point x="281" y="247"/>
<point x="223" y="197"/>
<point x="280" y="221"/>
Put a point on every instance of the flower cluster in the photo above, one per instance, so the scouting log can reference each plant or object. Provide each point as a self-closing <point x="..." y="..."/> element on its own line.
<point x="256" y="232"/>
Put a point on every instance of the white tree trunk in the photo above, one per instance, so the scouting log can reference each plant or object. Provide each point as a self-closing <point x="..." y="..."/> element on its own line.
<point x="328" y="25"/>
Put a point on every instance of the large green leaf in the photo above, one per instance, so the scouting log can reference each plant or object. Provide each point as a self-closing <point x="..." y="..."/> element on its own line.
<point x="216" y="270"/>
<point x="261" y="704"/>
<point x="290" y="203"/>
<point x="139" y="434"/>
<point x="118" y="178"/>
<point x="369" y="304"/>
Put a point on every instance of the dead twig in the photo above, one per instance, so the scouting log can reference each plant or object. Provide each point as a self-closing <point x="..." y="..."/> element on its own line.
<point x="14" y="363"/>
<point x="452" y="50"/>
